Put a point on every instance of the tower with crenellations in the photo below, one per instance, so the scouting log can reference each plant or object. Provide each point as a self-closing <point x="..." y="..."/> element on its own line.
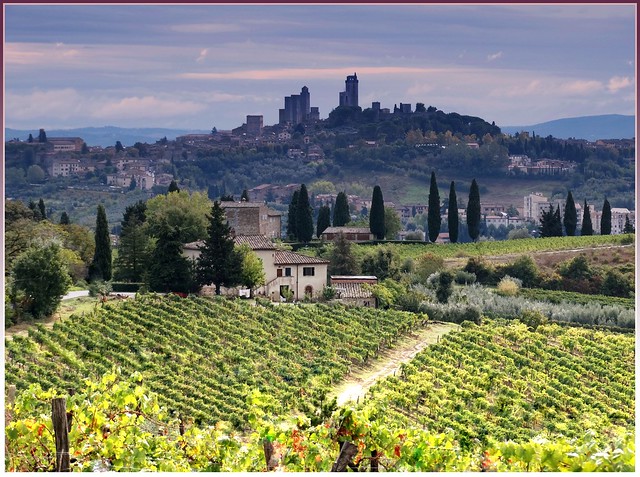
<point x="349" y="97"/>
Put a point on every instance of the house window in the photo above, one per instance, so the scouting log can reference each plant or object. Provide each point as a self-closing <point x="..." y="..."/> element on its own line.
<point x="308" y="271"/>
<point x="287" y="272"/>
<point x="279" y="272"/>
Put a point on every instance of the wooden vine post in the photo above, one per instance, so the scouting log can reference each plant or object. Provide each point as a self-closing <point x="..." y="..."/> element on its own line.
<point x="347" y="453"/>
<point x="61" y="433"/>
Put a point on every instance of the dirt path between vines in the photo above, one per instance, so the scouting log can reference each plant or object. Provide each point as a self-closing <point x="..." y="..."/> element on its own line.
<point x="358" y="382"/>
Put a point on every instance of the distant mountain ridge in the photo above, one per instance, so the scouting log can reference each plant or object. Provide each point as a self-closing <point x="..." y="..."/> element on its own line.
<point x="107" y="135"/>
<point x="591" y="128"/>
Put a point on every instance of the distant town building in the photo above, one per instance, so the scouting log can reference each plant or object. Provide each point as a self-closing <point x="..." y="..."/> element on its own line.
<point x="252" y="218"/>
<point x="353" y="234"/>
<point x="349" y="97"/>
<point x="254" y="125"/>
<point x="297" y="108"/>
<point x="66" y="144"/>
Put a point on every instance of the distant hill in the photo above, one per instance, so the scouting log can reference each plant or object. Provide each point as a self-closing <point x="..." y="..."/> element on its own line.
<point x="591" y="128"/>
<point x="107" y="135"/>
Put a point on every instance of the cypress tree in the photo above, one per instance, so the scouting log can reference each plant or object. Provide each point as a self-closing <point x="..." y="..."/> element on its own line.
<point x="434" y="220"/>
<point x="557" y="223"/>
<point x="292" y="230"/>
<point x="587" y="226"/>
<point x="324" y="220"/>
<point x="452" y="214"/>
<point x="376" y="215"/>
<point x="570" y="216"/>
<point x="42" y="136"/>
<point x="64" y="219"/>
<point x="169" y="270"/>
<point x="304" y="216"/>
<point x="219" y="263"/>
<point x="173" y="187"/>
<point x="100" y="268"/>
<point x="134" y="244"/>
<point x="605" y="221"/>
<point x="628" y="228"/>
<point x="245" y="196"/>
<point x="341" y="215"/>
<point x="42" y="209"/>
<point x="473" y="211"/>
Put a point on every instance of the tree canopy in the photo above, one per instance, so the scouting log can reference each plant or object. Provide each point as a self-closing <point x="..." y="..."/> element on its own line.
<point x="376" y="215"/>
<point x="101" y="266"/>
<point x="341" y="214"/>
<point x="473" y="211"/>
<point x="180" y="210"/>
<point x="452" y="214"/>
<point x="434" y="220"/>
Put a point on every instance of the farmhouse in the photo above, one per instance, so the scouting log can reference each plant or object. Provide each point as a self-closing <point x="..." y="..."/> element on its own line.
<point x="252" y="218"/>
<point x="353" y="234"/>
<point x="352" y="290"/>
<point x="285" y="271"/>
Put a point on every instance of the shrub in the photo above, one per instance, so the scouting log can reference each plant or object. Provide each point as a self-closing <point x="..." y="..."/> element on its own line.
<point x="100" y="288"/>
<point x="328" y="293"/>
<point x="616" y="284"/>
<point x="125" y="287"/>
<point x="483" y="271"/>
<point x="444" y="287"/>
<point x="452" y="313"/>
<point x="509" y="286"/>
<point x="576" y="268"/>
<point x="427" y="264"/>
<point x="465" y="278"/>
<point x="525" y="269"/>
<point x="533" y="319"/>
<point x="516" y="234"/>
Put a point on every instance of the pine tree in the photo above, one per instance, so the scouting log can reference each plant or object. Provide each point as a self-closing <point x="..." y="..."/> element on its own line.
<point x="434" y="220"/>
<point x="169" y="270"/>
<point x="376" y="215"/>
<point x="570" y="216"/>
<point x="219" y="263"/>
<point x="64" y="218"/>
<point x="341" y="214"/>
<point x="173" y="187"/>
<point x="628" y="228"/>
<point x="42" y="209"/>
<point x="605" y="221"/>
<point x="452" y="214"/>
<point x="119" y="147"/>
<point x="304" y="216"/>
<point x="587" y="226"/>
<point x="100" y="268"/>
<point x="324" y="220"/>
<point x="292" y="231"/>
<point x="134" y="245"/>
<point x="550" y="223"/>
<point x="473" y="211"/>
<point x="245" y="196"/>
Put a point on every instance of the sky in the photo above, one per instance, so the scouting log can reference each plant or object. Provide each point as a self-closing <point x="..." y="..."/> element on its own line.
<point x="202" y="66"/>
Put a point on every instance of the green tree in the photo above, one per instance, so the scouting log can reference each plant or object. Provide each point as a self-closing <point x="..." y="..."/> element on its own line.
<point x="252" y="275"/>
<point x="382" y="263"/>
<point x="392" y="224"/>
<point x="587" y="227"/>
<point x="341" y="259"/>
<point x="473" y="211"/>
<point x="570" y="216"/>
<point x="341" y="215"/>
<point x="434" y="220"/>
<point x="85" y="148"/>
<point x="182" y="211"/>
<point x="100" y="268"/>
<point x="42" y="209"/>
<point x="173" y="187"/>
<point x="557" y="223"/>
<point x="605" y="221"/>
<point x="64" y="218"/>
<point x="42" y="136"/>
<point x="628" y="228"/>
<point x="119" y="147"/>
<point x="452" y="214"/>
<point x="35" y="174"/>
<point x="134" y="246"/>
<point x="376" y="215"/>
<point x="30" y="139"/>
<point x="169" y="270"/>
<point x="39" y="280"/>
<point x="292" y="231"/>
<point x="550" y="223"/>
<point x="444" y="286"/>
<point x="245" y="196"/>
<point x="324" y="220"/>
<point x="304" y="217"/>
<point x="219" y="263"/>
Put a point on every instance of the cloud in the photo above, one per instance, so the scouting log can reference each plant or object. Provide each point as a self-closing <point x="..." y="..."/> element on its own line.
<point x="494" y="56"/>
<point x="205" y="28"/>
<point x="145" y="107"/>
<point x="306" y="73"/>
<point x="580" y="87"/>
<point x="203" y="55"/>
<point x="618" y="82"/>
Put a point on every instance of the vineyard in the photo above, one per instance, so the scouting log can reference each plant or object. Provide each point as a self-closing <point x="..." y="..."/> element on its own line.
<point x="203" y="357"/>
<point x="506" y="382"/>
<point x="495" y="397"/>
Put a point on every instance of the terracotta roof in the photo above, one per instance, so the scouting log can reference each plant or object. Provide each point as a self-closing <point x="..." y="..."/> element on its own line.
<point x="284" y="257"/>
<point x="193" y="245"/>
<point x="244" y="205"/>
<point x="256" y="242"/>
<point x="352" y="290"/>
<point x="347" y="230"/>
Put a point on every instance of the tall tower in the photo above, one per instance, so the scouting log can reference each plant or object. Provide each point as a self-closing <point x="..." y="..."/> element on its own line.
<point x="349" y="97"/>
